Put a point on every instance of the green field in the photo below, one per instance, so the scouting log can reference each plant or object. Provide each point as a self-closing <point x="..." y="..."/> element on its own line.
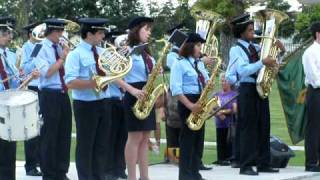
<point x="278" y="128"/>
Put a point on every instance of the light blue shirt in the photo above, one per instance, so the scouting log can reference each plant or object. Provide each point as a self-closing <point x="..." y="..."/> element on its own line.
<point x="240" y="65"/>
<point x="138" y="70"/>
<point x="27" y="63"/>
<point x="80" y="64"/>
<point x="172" y="57"/>
<point x="44" y="60"/>
<point x="113" y="91"/>
<point x="8" y="62"/>
<point x="184" y="78"/>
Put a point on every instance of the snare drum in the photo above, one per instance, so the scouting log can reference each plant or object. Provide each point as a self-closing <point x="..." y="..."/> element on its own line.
<point x="19" y="115"/>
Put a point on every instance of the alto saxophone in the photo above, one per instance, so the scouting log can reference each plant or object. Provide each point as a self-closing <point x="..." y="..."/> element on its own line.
<point x="195" y="121"/>
<point x="143" y="107"/>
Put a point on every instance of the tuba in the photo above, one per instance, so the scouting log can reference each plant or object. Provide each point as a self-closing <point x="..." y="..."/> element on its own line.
<point x="38" y="33"/>
<point x="271" y="20"/>
<point x="206" y="24"/>
<point x="142" y="108"/>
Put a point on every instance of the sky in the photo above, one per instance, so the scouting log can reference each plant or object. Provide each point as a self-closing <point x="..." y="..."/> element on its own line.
<point x="294" y="3"/>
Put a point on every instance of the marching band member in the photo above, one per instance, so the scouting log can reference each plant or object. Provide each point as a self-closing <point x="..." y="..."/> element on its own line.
<point x="90" y="111"/>
<point x="136" y="150"/>
<point x="253" y="114"/>
<point x="31" y="147"/>
<point x="187" y="80"/>
<point x="7" y="66"/>
<point x="55" y="134"/>
<point x="311" y="65"/>
<point x="118" y="132"/>
<point x="173" y="122"/>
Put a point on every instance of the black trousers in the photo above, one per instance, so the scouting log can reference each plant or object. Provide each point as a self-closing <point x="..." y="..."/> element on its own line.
<point x="191" y="145"/>
<point x="7" y="160"/>
<point x="235" y="140"/>
<point x="55" y="135"/>
<point x="172" y="135"/>
<point x="312" y="136"/>
<point x="118" y="137"/>
<point x="254" y="124"/>
<point x="92" y="134"/>
<point x="223" y="144"/>
<point x="32" y="146"/>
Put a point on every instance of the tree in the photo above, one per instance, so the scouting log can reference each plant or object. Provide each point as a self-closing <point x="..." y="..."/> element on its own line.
<point x="309" y="15"/>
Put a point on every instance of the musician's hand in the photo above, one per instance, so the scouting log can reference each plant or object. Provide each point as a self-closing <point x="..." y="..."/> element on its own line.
<point x="35" y="74"/>
<point x="195" y="108"/>
<point x="280" y="45"/>
<point x="208" y="60"/>
<point x="65" y="52"/>
<point x="21" y="72"/>
<point x="139" y="94"/>
<point x="269" y="61"/>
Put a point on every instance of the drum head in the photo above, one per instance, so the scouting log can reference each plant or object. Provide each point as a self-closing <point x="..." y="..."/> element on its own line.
<point x="17" y="97"/>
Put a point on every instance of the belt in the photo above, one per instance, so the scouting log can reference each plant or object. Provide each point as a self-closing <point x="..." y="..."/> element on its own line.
<point x="114" y="98"/>
<point x="53" y="90"/>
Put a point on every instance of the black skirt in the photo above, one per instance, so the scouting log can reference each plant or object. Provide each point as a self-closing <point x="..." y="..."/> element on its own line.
<point x="133" y="123"/>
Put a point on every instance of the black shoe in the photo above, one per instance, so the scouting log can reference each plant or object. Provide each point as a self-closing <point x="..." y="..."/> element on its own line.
<point x="122" y="175"/>
<point x="248" y="171"/>
<point x="313" y="168"/>
<point x="34" y="172"/>
<point x="65" y="177"/>
<point x="204" y="168"/>
<point x="224" y="163"/>
<point x="267" y="170"/>
<point x="235" y="165"/>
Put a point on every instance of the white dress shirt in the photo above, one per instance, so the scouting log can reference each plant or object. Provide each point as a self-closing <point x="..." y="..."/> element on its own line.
<point x="311" y="65"/>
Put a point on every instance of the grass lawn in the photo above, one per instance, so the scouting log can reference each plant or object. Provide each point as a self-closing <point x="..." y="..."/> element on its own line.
<point x="278" y="128"/>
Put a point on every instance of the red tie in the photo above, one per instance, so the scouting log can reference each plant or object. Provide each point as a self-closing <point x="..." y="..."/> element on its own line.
<point x="61" y="70"/>
<point x="96" y="58"/>
<point x="4" y="75"/>
<point x="147" y="61"/>
<point x="200" y="75"/>
<point x="253" y="53"/>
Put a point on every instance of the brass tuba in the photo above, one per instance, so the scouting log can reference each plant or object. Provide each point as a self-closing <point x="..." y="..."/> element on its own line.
<point x="142" y="108"/>
<point x="206" y="23"/>
<point x="271" y="19"/>
<point x="38" y="33"/>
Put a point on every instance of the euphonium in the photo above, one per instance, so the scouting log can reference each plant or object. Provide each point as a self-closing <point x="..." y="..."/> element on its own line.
<point x="272" y="19"/>
<point x="142" y="108"/>
<point x="207" y="22"/>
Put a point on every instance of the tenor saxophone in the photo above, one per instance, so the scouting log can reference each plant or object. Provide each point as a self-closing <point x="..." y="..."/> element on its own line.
<point x="143" y="107"/>
<point x="207" y="22"/>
